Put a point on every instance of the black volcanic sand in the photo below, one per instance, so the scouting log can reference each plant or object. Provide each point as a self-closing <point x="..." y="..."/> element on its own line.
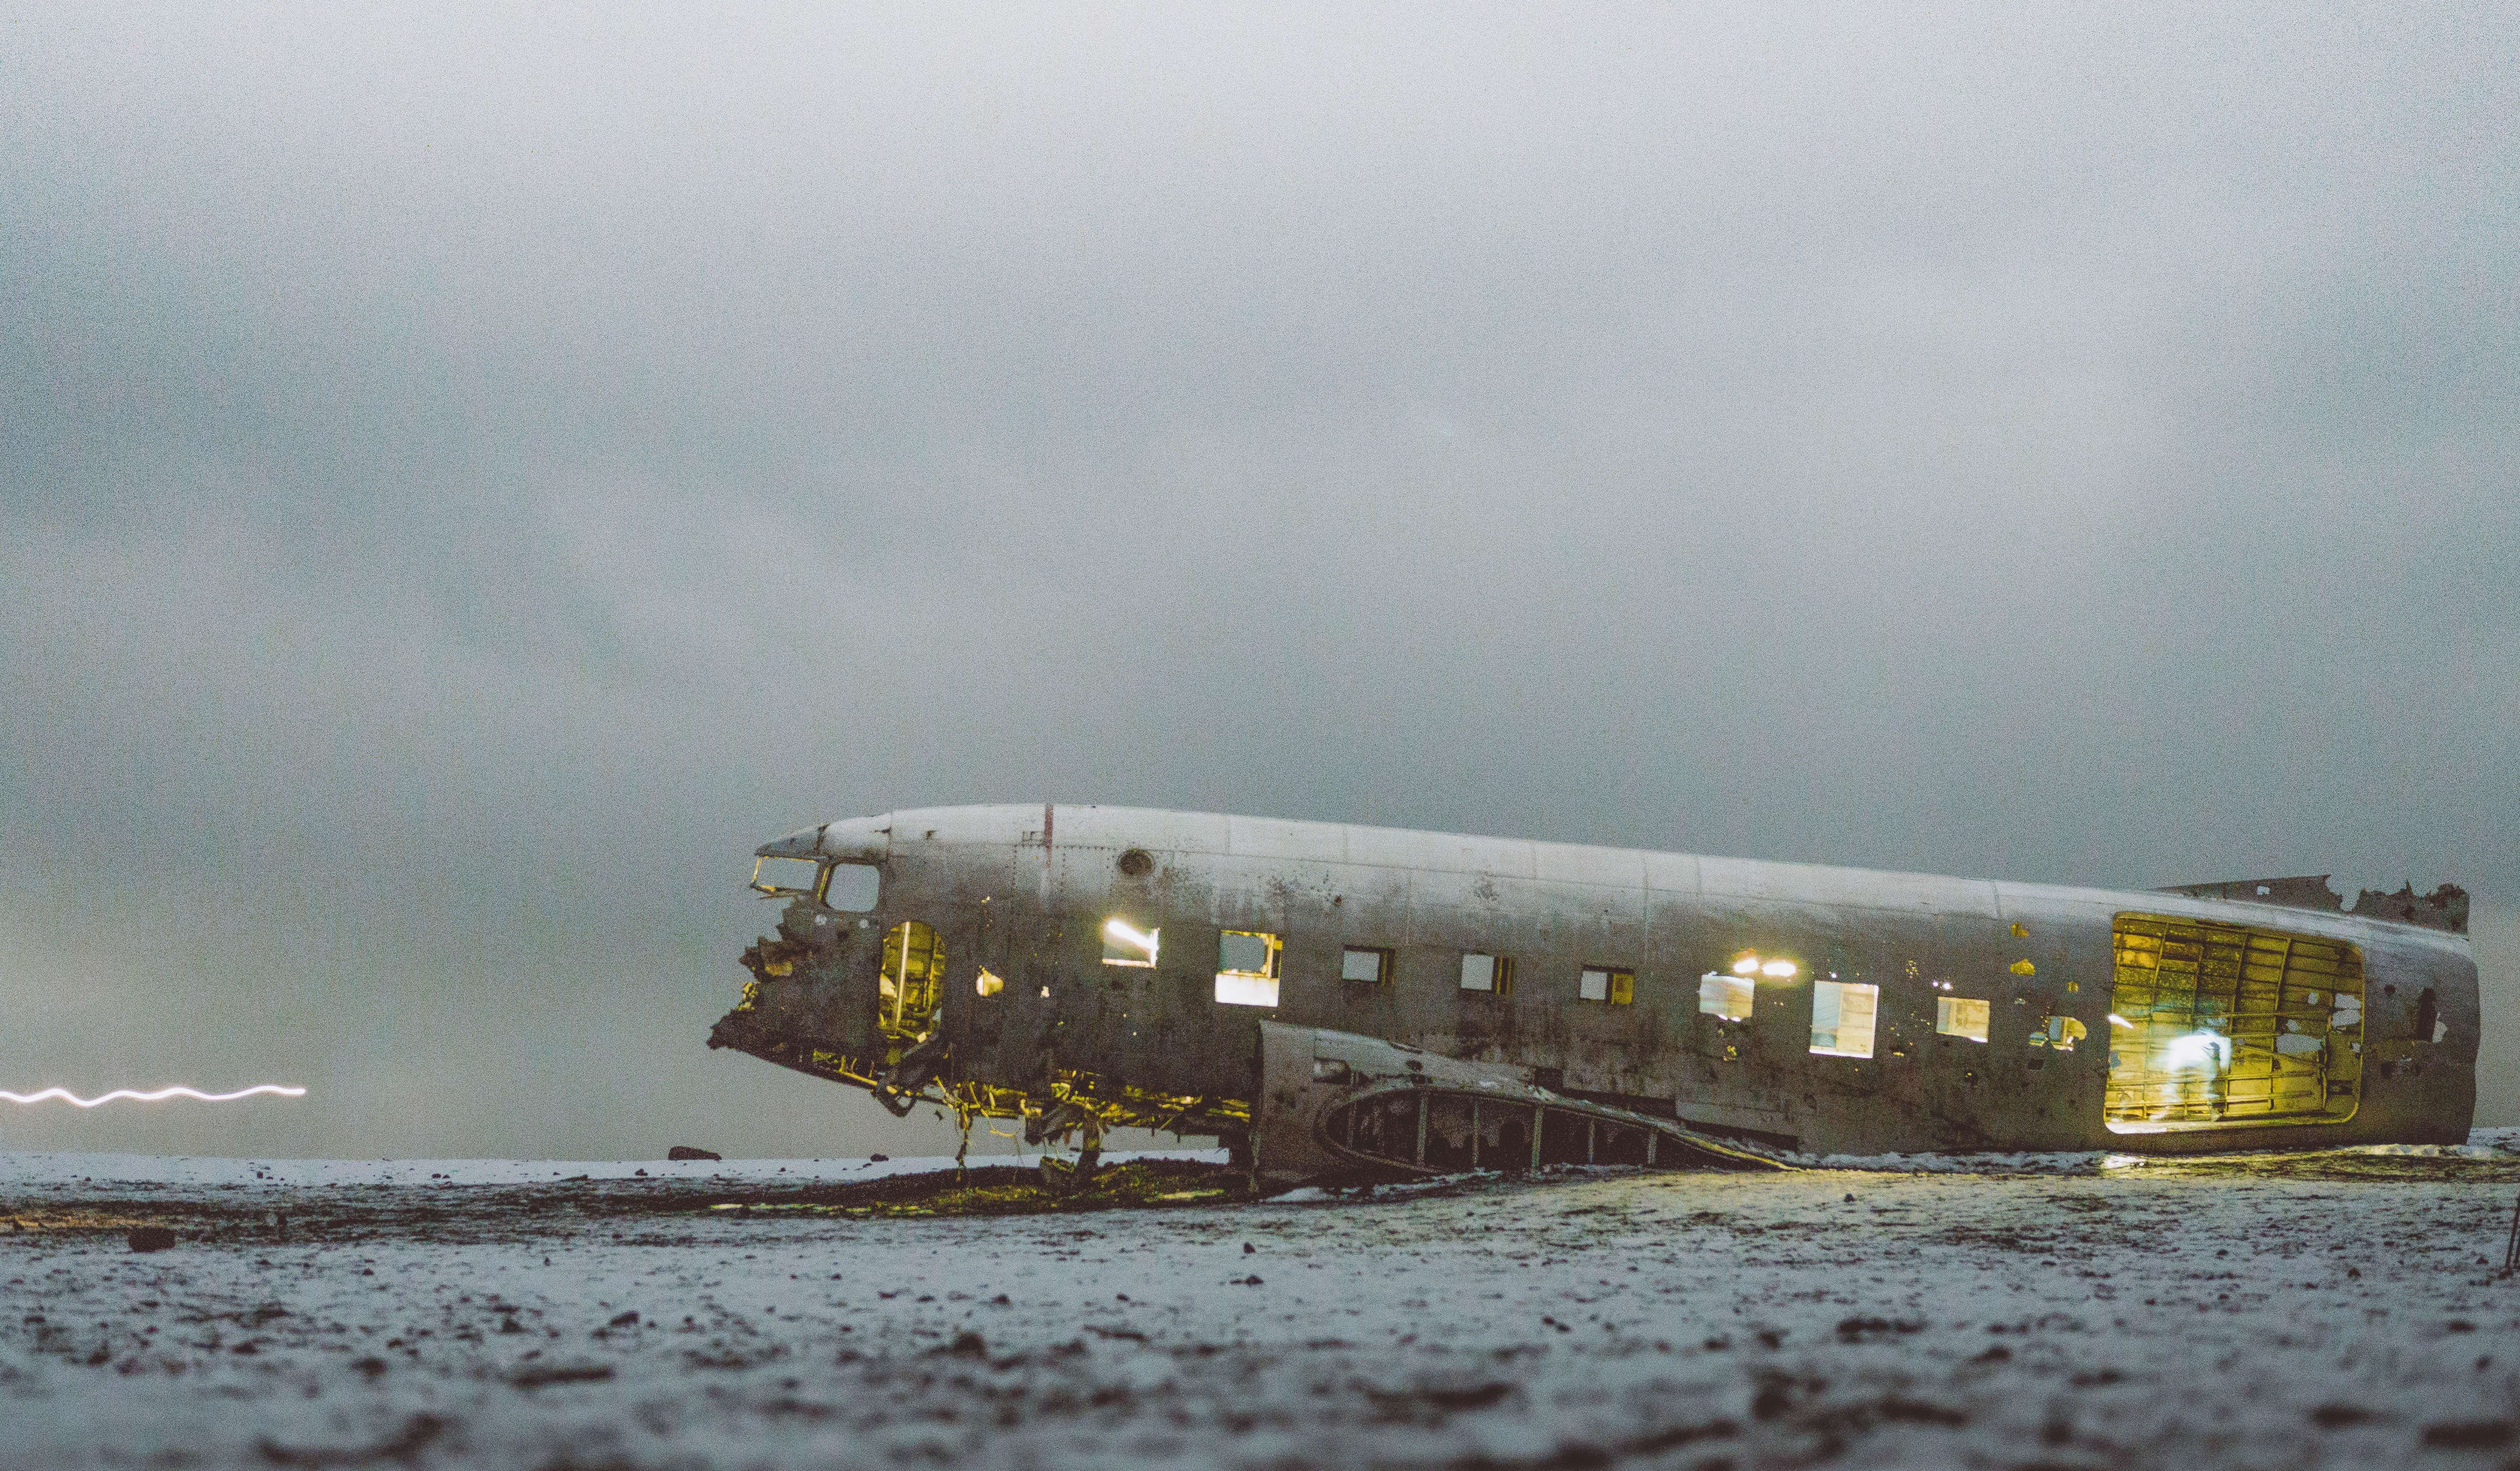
<point x="460" y="1212"/>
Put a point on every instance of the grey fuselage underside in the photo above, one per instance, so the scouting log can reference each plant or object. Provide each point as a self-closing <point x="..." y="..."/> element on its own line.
<point x="1024" y="891"/>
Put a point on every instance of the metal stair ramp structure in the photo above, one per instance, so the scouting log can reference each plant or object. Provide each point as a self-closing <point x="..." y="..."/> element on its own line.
<point x="1336" y="1107"/>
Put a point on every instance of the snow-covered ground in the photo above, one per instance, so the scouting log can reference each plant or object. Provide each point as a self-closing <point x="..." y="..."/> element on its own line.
<point x="2081" y="1311"/>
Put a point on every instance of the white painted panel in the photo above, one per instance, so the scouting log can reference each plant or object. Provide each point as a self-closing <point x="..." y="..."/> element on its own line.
<point x="1277" y="838"/>
<point x="1581" y="906"/>
<point x="1574" y="862"/>
<point x="1671" y="873"/>
<point x="1852" y="888"/>
<point x="992" y="825"/>
<point x="1121" y="828"/>
<point x="1275" y="886"/>
<point x="1442" y="852"/>
<point x="1434" y="889"/>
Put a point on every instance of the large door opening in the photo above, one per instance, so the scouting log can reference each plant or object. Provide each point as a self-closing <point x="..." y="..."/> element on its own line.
<point x="911" y="988"/>
<point x="2213" y="1025"/>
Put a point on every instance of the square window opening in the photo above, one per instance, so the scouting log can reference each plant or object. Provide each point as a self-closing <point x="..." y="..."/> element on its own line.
<point x="1486" y="972"/>
<point x="853" y="888"/>
<point x="1960" y="1016"/>
<point x="1613" y="988"/>
<point x="1364" y="967"/>
<point x="1247" y="967"/>
<point x="1125" y="943"/>
<point x="1842" y="1017"/>
<point x="1246" y="951"/>
<point x="1725" y="995"/>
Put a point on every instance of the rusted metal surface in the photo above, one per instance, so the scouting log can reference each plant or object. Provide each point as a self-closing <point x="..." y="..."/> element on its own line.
<point x="1862" y="992"/>
<point x="2445" y="907"/>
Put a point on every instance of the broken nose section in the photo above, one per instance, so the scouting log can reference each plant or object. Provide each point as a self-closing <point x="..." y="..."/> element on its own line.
<point x="865" y="841"/>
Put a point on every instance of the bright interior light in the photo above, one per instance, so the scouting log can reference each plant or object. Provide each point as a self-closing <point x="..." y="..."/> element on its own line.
<point x="1236" y="989"/>
<point x="1778" y="969"/>
<point x="1119" y="930"/>
<point x="2199" y="1050"/>
<point x="279" y="1089"/>
<point x="2116" y="1020"/>
<point x="1746" y="965"/>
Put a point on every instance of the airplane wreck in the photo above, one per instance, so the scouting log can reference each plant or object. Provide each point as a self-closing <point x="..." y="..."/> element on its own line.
<point x="1343" y="1004"/>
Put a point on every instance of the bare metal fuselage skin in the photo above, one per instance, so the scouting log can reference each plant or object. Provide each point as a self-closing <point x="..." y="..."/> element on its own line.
<point x="1024" y="893"/>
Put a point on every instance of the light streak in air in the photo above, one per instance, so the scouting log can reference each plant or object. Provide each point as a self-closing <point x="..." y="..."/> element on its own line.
<point x="279" y="1090"/>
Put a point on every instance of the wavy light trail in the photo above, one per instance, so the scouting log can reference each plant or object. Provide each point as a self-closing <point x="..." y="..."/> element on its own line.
<point x="66" y="1097"/>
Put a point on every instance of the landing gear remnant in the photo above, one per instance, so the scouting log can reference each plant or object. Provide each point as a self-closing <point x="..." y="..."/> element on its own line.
<point x="1071" y="1146"/>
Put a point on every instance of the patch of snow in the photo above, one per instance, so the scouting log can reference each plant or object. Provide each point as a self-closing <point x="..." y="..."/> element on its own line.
<point x="2071" y="1163"/>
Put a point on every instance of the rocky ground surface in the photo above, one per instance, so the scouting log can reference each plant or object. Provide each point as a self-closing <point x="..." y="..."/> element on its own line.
<point x="2342" y="1309"/>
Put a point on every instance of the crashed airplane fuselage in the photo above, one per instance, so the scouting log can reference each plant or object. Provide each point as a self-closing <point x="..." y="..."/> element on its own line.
<point x="1351" y="1003"/>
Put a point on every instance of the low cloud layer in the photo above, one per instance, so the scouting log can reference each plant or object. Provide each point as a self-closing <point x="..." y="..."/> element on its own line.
<point x="469" y="477"/>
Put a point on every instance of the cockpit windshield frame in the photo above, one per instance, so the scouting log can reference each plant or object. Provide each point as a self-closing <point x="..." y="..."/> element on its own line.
<point x="765" y="878"/>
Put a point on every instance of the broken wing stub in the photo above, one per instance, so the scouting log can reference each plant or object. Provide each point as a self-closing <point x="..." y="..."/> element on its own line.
<point x="1335" y="1107"/>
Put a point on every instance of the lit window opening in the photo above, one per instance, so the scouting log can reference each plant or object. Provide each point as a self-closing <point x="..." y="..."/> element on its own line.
<point x="2060" y="1033"/>
<point x="1124" y="944"/>
<point x="988" y="983"/>
<point x="1725" y="995"/>
<point x="1960" y="1016"/>
<point x="1364" y="967"/>
<point x="1246" y="969"/>
<point x="1842" y="1017"/>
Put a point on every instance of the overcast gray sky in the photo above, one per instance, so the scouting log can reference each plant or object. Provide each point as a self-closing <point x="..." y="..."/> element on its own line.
<point x="469" y="475"/>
